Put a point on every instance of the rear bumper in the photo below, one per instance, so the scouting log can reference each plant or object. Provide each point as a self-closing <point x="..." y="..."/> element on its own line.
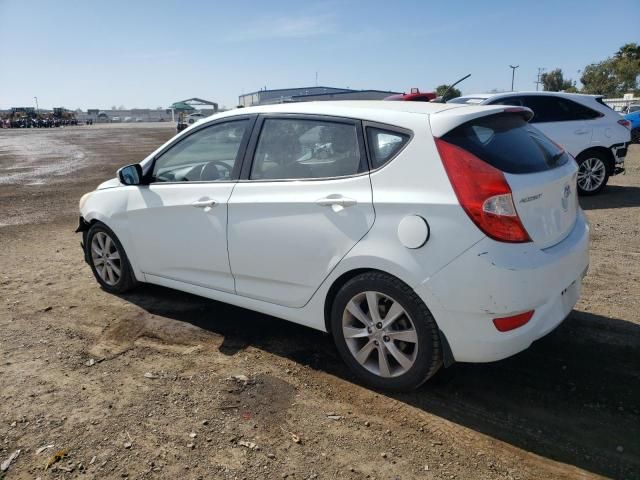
<point x="619" y="152"/>
<point x="493" y="280"/>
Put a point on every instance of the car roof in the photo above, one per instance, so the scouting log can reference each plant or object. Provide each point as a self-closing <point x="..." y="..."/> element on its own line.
<point x="401" y="114"/>
<point x="517" y="94"/>
<point x="356" y="105"/>
<point x="373" y="110"/>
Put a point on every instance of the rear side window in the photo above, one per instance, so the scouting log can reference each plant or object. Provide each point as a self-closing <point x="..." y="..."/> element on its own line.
<point x="557" y="109"/>
<point x="384" y="145"/>
<point x="305" y="149"/>
<point x="506" y="141"/>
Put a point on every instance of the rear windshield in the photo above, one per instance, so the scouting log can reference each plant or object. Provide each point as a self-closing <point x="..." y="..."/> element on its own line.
<point x="507" y="142"/>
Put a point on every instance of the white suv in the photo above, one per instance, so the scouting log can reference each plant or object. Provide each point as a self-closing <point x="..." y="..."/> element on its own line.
<point x="417" y="234"/>
<point x="593" y="133"/>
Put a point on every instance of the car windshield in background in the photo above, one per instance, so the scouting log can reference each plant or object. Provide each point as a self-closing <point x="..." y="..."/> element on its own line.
<point x="467" y="100"/>
<point x="509" y="143"/>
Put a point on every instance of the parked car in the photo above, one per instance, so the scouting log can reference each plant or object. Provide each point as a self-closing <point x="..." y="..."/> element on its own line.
<point x="115" y="119"/>
<point x="417" y="234"/>
<point x="634" y="107"/>
<point x="414" y="96"/>
<point x="634" y="120"/>
<point x="595" y="135"/>
<point x="194" y="117"/>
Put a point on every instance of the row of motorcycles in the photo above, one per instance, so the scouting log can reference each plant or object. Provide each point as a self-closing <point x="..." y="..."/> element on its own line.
<point x="37" y="122"/>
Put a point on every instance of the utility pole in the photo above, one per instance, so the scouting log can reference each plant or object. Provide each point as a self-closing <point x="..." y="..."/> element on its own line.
<point x="538" y="82"/>
<point x="316" y="79"/>
<point x="37" y="107"/>
<point x="513" y="74"/>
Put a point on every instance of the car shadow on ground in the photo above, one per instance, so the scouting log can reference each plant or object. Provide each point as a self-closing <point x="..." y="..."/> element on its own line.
<point x="613" y="196"/>
<point x="574" y="396"/>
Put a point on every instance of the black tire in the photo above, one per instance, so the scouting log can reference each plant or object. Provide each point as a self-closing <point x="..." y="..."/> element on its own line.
<point x="428" y="358"/>
<point x="582" y="160"/>
<point x="126" y="280"/>
<point x="635" y="135"/>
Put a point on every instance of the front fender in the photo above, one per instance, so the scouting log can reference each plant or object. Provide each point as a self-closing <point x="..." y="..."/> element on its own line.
<point x="109" y="206"/>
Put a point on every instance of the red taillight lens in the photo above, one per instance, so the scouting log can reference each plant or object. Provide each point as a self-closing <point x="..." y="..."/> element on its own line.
<point x="625" y="123"/>
<point x="505" y="324"/>
<point x="483" y="193"/>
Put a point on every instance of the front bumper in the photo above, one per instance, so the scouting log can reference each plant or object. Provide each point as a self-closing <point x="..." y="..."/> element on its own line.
<point x="494" y="279"/>
<point x="83" y="227"/>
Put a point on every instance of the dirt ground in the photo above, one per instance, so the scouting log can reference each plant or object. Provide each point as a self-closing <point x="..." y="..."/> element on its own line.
<point x="141" y="386"/>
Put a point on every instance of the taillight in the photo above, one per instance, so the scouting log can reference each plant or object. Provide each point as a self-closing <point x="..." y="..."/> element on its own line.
<point x="483" y="193"/>
<point x="505" y="324"/>
<point x="625" y="123"/>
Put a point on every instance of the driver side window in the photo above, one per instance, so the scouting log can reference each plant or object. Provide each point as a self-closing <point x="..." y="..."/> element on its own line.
<point x="208" y="155"/>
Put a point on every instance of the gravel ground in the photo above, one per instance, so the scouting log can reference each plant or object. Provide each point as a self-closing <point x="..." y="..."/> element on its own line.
<point x="162" y="384"/>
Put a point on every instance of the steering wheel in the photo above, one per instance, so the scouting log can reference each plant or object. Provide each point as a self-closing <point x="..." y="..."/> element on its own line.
<point x="218" y="163"/>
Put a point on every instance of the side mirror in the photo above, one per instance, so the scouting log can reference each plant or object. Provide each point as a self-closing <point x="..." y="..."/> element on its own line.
<point x="130" y="175"/>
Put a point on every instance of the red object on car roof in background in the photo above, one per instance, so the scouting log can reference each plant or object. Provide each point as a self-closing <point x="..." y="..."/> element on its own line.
<point x="415" y="96"/>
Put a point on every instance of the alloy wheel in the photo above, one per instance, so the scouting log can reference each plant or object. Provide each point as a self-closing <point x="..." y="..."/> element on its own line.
<point x="106" y="258"/>
<point x="380" y="334"/>
<point x="591" y="174"/>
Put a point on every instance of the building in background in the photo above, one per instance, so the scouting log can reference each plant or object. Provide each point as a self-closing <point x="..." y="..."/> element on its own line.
<point x="308" y="94"/>
<point x="127" y="115"/>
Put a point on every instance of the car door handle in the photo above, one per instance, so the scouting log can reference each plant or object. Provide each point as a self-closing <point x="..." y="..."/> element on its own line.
<point x="338" y="200"/>
<point x="582" y="131"/>
<point x="204" y="203"/>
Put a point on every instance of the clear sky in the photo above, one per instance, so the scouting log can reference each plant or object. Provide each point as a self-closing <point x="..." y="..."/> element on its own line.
<point x="143" y="53"/>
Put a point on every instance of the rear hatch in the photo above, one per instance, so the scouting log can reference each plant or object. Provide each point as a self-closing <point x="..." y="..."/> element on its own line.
<point x="540" y="174"/>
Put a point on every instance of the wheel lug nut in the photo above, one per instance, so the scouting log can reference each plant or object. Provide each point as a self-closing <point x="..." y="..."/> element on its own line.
<point x="379" y="325"/>
<point x="369" y="330"/>
<point x="385" y="338"/>
<point x="376" y="343"/>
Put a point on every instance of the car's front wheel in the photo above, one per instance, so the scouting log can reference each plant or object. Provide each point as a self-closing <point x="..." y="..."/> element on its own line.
<point x="385" y="333"/>
<point x="593" y="173"/>
<point x="108" y="260"/>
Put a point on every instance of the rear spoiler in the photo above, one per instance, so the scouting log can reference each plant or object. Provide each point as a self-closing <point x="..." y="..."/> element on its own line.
<point x="446" y="120"/>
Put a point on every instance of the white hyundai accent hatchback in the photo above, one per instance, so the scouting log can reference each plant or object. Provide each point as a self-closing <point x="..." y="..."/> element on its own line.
<point x="417" y="234"/>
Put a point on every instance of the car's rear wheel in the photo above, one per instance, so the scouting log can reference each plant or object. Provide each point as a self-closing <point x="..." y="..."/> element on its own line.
<point x="635" y="135"/>
<point x="593" y="172"/>
<point x="108" y="260"/>
<point x="385" y="333"/>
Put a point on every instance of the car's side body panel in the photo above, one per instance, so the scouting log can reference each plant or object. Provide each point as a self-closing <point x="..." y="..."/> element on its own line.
<point x="170" y="217"/>
<point x="283" y="243"/>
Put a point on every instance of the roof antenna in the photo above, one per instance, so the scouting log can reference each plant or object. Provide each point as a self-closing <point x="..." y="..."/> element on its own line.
<point x="443" y="98"/>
